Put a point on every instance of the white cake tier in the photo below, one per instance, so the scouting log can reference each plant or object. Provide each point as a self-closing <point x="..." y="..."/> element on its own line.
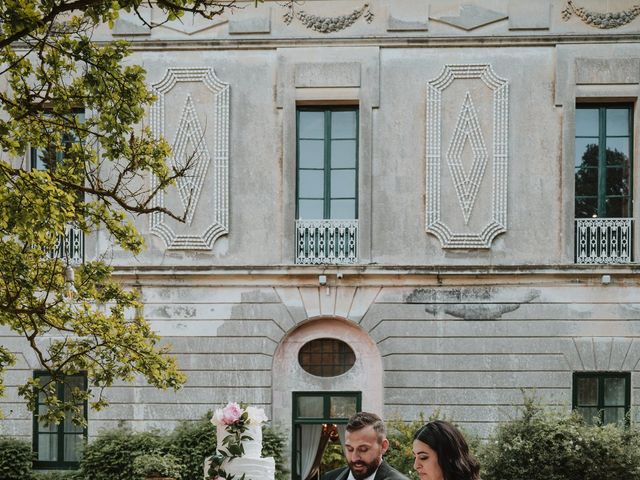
<point x="252" y="468"/>
<point x="252" y="448"/>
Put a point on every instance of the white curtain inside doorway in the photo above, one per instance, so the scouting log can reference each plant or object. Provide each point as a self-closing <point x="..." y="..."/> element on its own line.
<point x="310" y="440"/>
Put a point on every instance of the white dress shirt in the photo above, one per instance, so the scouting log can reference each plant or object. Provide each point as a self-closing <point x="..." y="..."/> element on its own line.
<point x="370" y="477"/>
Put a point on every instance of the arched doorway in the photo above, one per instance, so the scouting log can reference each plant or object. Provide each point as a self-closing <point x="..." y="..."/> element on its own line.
<point x="324" y="370"/>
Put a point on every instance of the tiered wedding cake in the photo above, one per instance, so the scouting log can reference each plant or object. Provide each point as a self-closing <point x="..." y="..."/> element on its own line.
<point x="251" y="464"/>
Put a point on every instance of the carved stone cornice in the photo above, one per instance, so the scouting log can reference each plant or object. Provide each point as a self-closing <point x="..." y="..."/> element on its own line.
<point x="327" y="24"/>
<point x="601" y="20"/>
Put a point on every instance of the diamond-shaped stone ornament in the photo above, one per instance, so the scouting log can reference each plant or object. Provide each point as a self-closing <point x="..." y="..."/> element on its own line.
<point x="467" y="129"/>
<point x="189" y="148"/>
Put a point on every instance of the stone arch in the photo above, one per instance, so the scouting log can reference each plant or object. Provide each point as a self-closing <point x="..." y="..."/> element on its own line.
<point x="287" y="375"/>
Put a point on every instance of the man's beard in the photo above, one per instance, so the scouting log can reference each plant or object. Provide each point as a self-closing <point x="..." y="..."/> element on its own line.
<point x="369" y="468"/>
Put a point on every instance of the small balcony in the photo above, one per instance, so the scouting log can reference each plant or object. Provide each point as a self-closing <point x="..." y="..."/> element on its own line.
<point x="603" y="240"/>
<point x="332" y="242"/>
<point x="70" y="246"/>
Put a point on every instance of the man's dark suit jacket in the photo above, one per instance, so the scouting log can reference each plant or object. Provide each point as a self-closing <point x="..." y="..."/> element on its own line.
<point x="385" y="472"/>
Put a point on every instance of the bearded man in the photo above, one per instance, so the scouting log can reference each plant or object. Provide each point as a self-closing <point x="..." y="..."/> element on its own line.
<point x="365" y="444"/>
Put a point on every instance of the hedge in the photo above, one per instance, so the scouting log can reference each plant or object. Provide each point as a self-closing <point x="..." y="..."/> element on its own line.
<point x="110" y="456"/>
<point x="538" y="445"/>
<point x="15" y="459"/>
<point x="273" y="445"/>
<point x="547" y="445"/>
<point x="191" y="442"/>
<point x="57" y="475"/>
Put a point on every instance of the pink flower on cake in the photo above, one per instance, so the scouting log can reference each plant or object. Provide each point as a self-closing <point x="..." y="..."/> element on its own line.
<point x="229" y="414"/>
<point x="233" y="413"/>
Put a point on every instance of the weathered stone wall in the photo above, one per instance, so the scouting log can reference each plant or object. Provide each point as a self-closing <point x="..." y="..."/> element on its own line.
<point x="465" y="345"/>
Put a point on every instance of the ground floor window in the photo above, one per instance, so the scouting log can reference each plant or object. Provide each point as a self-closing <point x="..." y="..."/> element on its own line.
<point x="603" y="397"/>
<point x="58" y="446"/>
<point x="319" y="421"/>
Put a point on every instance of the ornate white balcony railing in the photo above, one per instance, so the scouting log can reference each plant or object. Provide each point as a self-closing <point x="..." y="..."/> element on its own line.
<point x="70" y="246"/>
<point x="603" y="240"/>
<point x="326" y="241"/>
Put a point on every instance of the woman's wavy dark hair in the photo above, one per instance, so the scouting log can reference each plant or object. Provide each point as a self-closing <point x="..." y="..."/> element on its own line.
<point x="454" y="458"/>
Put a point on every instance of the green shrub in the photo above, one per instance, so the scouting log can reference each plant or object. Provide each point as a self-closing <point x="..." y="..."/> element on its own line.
<point x="544" y="445"/>
<point x="157" y="465"/>
<point x="57" y="475"/>
<point x="191" y="442"/>
<point x="332" y="458"/>
<point x="273" y="445"/>
<point x="16" y="459"/>
<point x="400" y="453"/>
<point x="111" y="455"/>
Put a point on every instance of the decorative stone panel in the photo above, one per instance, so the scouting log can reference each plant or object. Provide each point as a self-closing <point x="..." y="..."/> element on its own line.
<point x="471" y="17"/>
<point x="607" y="71"/>
<point x="528" y="15"/>
<point x="192" y="112"/>
<point x="468" y="118"/>
<point x="603" y="354"/>
<point x="324" y="24"/>
<point x="602" y="20"/>
<point x="408" y="16"/>
<point x="325" y="74"/>
<point x="250" y="25"/>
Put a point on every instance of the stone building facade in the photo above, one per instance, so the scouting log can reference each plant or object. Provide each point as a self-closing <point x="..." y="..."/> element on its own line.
<point x="445" y="187"/>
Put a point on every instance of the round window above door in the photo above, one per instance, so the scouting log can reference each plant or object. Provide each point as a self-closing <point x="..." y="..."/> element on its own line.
<point x="326" y="357"/>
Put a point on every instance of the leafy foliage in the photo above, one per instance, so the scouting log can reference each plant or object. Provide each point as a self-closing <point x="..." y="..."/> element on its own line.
<point x="332" y="457"/>
<point x="157" y="465"/>
<point x="112" y="454"/>
<point x="543" y="445"/>
<point x="56" y="475"/>
<point x="15" y="459"/>
<point x="93" y="176"/>
<point x="400" y="453"/>
<point x="191" y="442"/>
<point x="273" y="445"/>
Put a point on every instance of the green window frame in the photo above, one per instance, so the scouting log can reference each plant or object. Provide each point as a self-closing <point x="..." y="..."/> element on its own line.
<point x="71" y="245"/>
<point x="604" y="397"/>
<point x="319" y="408"/>
<point x="327" y="163"/>
<point x="603" y="160"/>
<point x="57" y="447"/>
<point x="42" y="159"/>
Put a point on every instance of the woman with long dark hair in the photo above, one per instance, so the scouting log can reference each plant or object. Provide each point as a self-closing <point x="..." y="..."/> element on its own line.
<point x="442" y="453"/>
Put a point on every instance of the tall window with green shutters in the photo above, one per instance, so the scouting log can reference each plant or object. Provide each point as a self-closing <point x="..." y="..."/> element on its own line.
<point x="327" y="163"/>
<point x="603" y="183"/>
<point x="59" y="446"/>
<point x="327" y="185"/>
<point x="70" y="246"/>
<point x="603" y="161"/>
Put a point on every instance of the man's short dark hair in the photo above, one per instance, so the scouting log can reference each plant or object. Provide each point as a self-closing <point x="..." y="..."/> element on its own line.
<point x="364" y="419"/>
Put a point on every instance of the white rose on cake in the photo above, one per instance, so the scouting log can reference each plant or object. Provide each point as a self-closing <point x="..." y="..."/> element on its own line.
<point x="256" y="415"/>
